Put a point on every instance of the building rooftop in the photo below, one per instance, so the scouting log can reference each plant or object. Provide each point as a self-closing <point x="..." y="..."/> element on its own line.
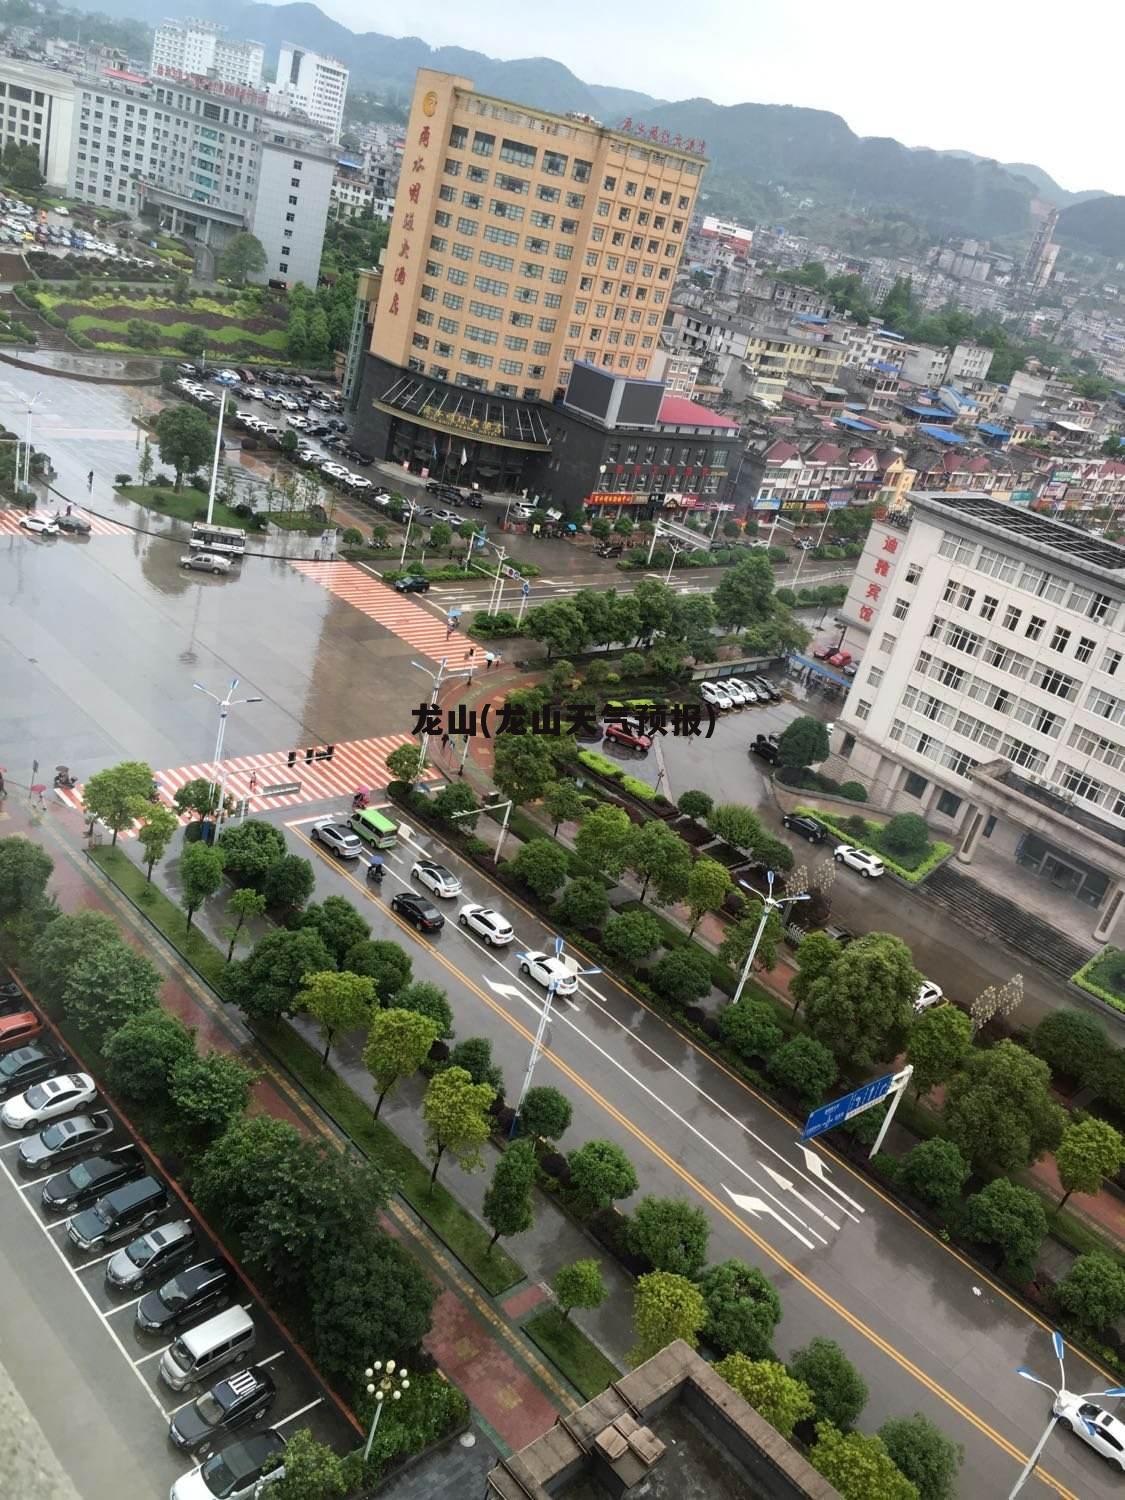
<point x="679" y="411"/>
<point x="1027" y="528"/>
<point x="942" y="434"/>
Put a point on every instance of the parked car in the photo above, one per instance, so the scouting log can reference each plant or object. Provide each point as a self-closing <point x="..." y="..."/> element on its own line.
<point x="822" y="653"/>
<point x="1098" y="1428"/>
<point x="123" y="1211"/>
<point x="436" y="878"/>
<point x="549" y="971"/>
<point x="150" y="1256"/>
<point x="236" y="1402"/>
<point x="23" y="1066"/>
<point x="609" y="549"/>
<point x="929" y="994"/>
<point x="711" y="693"/>
<point x="870" y="866"/>
<point x="765" y="749"/>
<point x="733" y="689"/>
<point x="412" y="584"/>
<point x="46" y="1101"/>
<point x="20" y="1028"/>
<point x="337" y="837"/>
<point x="206" y="562"/>
<point x="91" y="1179"/>
<point x="747" y="689"/>
<point x="423" y="914"/>
<point x="63" y="1139"/>
<point x="191" y="1295"/>
<point x="236" y="1472"/>
<point x="487" y="923"/>
<point x="840" y="659"/>
<point x="625" y="734"/>
<point x="805" y="827"/>
<point x="767" y="692"/>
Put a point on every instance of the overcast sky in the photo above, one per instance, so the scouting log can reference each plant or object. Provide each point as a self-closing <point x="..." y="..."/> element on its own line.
<point x="1021" y="82"/>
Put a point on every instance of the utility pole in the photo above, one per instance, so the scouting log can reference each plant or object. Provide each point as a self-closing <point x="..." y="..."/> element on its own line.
<point x="225" y="706"/>
<point x="215" y="460"/>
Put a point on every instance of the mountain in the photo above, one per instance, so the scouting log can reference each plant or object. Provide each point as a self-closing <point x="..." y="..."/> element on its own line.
<point x="766" y="158"/>
<point x="1097" y="224"/>
<point x="1044" y="184"/>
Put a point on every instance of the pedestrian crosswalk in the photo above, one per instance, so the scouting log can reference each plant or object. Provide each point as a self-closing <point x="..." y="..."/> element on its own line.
<point x="398" y="612"/>
<point x="355" y="764"/>
<point x="99" y="526"/>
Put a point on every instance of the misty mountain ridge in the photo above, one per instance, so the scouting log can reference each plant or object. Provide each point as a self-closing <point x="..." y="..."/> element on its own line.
<point x="764" y="156"/>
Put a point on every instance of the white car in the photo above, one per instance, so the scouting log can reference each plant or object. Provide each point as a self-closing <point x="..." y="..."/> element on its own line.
<point x="734" y="692"/>
<point x="749" y="694"/>
<point x="870" y="866"/>
<point x="300" y="423"/>
<point x="48" y="1100"/>
<point x="929" y="995"/>
<point x="715" y="696"/>
<point x="205" y="562"/>
<point x="436" y="878"/>
<point x="488" y="924"/>
<point x="1104" y="1432"/>
<point x="255" y="393"/>
<point x="44" y="525"/>
<point x="549" y="971"/>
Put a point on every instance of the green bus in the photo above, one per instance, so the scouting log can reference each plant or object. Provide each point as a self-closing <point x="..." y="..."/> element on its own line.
<point x="374" y="828"/>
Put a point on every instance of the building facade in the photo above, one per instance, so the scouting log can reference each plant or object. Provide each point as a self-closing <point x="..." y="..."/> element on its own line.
<point x="37" y="109"/>
<point x="990" y="696"/>
<point x="522" y="243"/>
<point x="312" y="85"/>
<point x="205" y="51"/>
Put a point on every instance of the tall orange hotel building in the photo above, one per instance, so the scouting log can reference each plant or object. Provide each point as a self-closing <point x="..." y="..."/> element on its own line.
<point x="524" y="245"/>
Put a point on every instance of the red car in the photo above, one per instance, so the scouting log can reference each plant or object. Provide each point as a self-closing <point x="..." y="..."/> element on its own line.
<point x="18" y="1030"/>
<point x="630" y="738"/>
<point x="841" y="659"/>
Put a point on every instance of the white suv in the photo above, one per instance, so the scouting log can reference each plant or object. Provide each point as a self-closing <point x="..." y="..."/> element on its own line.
<point x="716" y="696"/>
<point x="549" y="971"/>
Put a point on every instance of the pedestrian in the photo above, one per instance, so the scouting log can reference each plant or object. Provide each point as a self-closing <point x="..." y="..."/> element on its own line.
<point x="488" y="660"/>
<point x="445" y="741"/>
<point x="470" y="653"/>
<point x="69" y="509"/>
<point x="90" y="480"/>
<point x="253" y="786"/>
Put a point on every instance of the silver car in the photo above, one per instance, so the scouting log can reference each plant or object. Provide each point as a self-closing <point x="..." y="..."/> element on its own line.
<point x="206" y="562"/>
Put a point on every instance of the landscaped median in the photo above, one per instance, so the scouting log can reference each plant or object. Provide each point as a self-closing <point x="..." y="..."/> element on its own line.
<point x="1104" y="977"/>
<point x="570" y="1351"/>
<point x="909" y="864"/>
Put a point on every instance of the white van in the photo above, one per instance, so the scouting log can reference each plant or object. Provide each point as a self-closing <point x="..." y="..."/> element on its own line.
<point x="197" y="1353"/>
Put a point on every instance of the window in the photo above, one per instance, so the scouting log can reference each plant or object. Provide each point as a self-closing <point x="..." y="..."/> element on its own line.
<point x="483" y="143"/>
<point x="457" y="277"/>
<point x="1035" y="627"/>
<point x="988" y="606"/>
<point x="471" y="200"/>
<point x="887" y="643"/>
<point x="862" y="709"/>
<point x="453" y="300"/>
<point x="1085" y="648"/>
<point x="913" y="572"/>
<point x="462" y="252"/>
<point x="874" y="677"/>
<point x="486" y="310"/>
<point x="547" y="194"/>
<point x="582" y="170"/>
<point x="477" y="174"/>
<point x="1053" y="681"/>
<point x="956" y="548"/>
<point x="516" y="154"/>
<point x="448" y="325"/>
<point x="496" y="262"/>
<point x="1060" y="638"/>
<point x="949" y="804"/>
<point x="609" y="184"/>
<point x="465" y="226"/>
<point x="293" y="198"/>
<point x="509" y="184"/>
<point x="517" y="345"/>
<point x="1110" y="662"/>
<point x="542" y="220"/>
<point x="457" y="138"/>
<point x="575" y="200"/>
<point x="554" y="163"/>
<point x="491" y="287"/>
<point x="900" y="608"/>
<point x="453" y="167"/>
<point x="959" y="594"/>
<point x="1012" y="617"/>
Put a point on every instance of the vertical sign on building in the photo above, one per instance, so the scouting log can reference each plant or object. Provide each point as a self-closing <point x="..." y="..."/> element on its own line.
<point x="417" y="158"/>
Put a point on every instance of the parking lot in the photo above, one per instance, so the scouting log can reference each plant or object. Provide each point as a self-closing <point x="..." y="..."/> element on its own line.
<point x="89" y="1375"/>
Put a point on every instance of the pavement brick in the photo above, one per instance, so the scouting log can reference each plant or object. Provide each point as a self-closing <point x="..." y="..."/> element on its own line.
<point x="521" y="1303"/>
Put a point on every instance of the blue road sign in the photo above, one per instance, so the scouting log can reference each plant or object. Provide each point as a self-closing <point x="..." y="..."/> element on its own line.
<point x="828" y="1116"/>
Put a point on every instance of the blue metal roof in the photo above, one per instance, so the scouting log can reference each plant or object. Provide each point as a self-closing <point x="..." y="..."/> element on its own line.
<point x="820" y="669"/>
<point x="990" y="429"/>
<point x="854" y="424"/>
<point x="928" y="411"/>
<point x="809" y="318"/>
<point x="942" y="434"/>
<point x="884" y="365"/>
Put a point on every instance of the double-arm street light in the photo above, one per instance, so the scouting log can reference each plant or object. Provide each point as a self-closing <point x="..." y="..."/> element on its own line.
<point x="541" y="1030"/>
<point x="1056" y="1416"/>
<point x="769" y="905"/>
<point x="225" y="706"/>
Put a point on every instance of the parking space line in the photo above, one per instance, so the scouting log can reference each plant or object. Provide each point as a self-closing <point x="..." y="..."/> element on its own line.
<point x="269" y="1359"/>
<point x="121" y="1306"/>
<point x="144" y="1359"/>
<point x="101" y="1260"/>
<point x="22" y="1187"/>
<point x="7" y="1146"/>
<point x="294" y="1415"/>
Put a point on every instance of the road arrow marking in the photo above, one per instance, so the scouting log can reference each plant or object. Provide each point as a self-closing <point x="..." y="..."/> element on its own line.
<point x="756" y="1206"/>
<point x="789" y="1187"/>
<point x="817" y="1167"/>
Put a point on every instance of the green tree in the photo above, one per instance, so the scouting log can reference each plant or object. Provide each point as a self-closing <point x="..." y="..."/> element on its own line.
<point x="427" y="1000"/>
<point x="816" y="959"/>
<point x="1089" y="1151"/>
<point x="24" y="174"/>
<point x="631" y="935"/>
<point x="119" y="795"/>
<point x="397" y="1045"/>
<point x="289" y="883"/>
<point x="707" y="889"/>
<point x="563" y="803"/>
<point x="695" y="805"/>
<point x="603" y="839"/>
<point x="736" y="824"/>
<point x="921" y="1451"/>
<point x="337" y="1002"/>
<point x="934" y="1171"/>
<point x="158" y="826"/>
<point x="441" y="534"/>
<point x="312" y="1471"/>
<point x="108" y="985"/>
<point x="744" y="596"/>
<point x="201" y="875"/>
<point x="559" y="626"/>
<point x="1092" y="1293"/>
<point x="209" y="1092"/>
<point x="858" y="1466"/>
<point x="405" y="763"/>
<point x="24" y="872"/>
<point x="999" y="1109"/>
<point x="1071" y="1042"/>
<point x="386" y="963"/>
<point x="601" y="1173"/>
<point x="937" y="1044"/>
<point x="579" y="1285"/>
<point x="839" y="1392"/>
<point x="454" y="805"/>
<point x="751" y="1028"/>
<point x="681" y="977"/>
<point x="146" y="463"/>
<point x="474" y="1054"/>
<point x="457" y="1119"/>
<point x="193" y="343"/>
<point x="266" y="983"/>
<point x="805" y="1067"/>
<point x="141" y="1054"/>
<point x="507" y="1202"/>
<point x="318" y="347"/>
<point x="739" y="939"/>
<point x="584" y="903"/>
<point x="743" y="1309"/>
<point x="542" y="866"/>
<point x="863" y="1009"/>
<point x="185" y="438"/>
<point x="198" y="796"/>
<point x="379" y="1299"/>
<point x="1010" y="1218"/>
<point x="242" y="904"/>
<point x="671" y="1233"/>
<point x="545" y="1114"/>
<point x="770" y="1390"/>
<point x="338" y="923"/>
<point x="803" y="742"/>
<point x="666" y="1307"/>
<point x="242" y="256"/>
<point x="250" y="849"/>
<point x="62" y="948"/>
<point x="906" y="836"/>
<point x="657" y="854"/>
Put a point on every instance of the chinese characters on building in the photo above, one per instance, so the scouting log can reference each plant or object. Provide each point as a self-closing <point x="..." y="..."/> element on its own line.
<point x="406" y="227"/>
<point x="660" y="137"/>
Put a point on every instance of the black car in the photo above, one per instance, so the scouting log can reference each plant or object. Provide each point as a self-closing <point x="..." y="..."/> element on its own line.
<point x="23" y="1066"/>
<point x="73" y="522"/>
<point x="412" y="584"/>
<point x="89" y="1180"/>
<point x="63" y="1139"/>
<point x="319" y="431"/>
<point x="474" y="502"/>
<point x="424" y="914"/>
<point x="151" y="1256"/>
<point x="190" y="1296"/>
<point x="805" y="827"/>
<point x="765" y="689"/>
<point x="357" y="457"/>
<point x="12" y="1005"/>
<point x="765" y="749"/>
<point x="236" y="1469"/>
<point x="238" y="1401"/>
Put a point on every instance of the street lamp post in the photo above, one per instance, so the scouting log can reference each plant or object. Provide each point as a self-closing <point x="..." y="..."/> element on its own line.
<point x="406" y="538"/>
<point x="383" y="1381"/>
<point x="475" y="812"/>
<point x="225" y="706"/>
<point x="540" y="1033"/>
<point x="1037" y="1451"/>
<point x="675" y="553"/>
<point x="215" y="461"/>
<point x="769" y="905"/>
<point x="438" y="678"/>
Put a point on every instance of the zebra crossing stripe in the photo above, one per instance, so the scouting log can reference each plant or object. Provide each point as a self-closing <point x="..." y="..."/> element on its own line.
<point x="397" y="612"/>
<point x="99" y="526"/>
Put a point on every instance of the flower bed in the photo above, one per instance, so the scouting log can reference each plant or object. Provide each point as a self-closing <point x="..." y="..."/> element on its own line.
<point x="927" y="864"/>
<point x="1091" y="977"/>
<point x="601" y="765"/>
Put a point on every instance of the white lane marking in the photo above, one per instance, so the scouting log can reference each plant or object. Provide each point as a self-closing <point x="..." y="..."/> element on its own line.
<point x="146" y="1357"/>
<point x="820" y="1169"/>
<point x="81" y="1287"/>
<point x="121" y="1306"/>
<point x="755" y="1206"/>
<point x="789" y="1187"/>
<point x="7" y="1146"/>
<point x="294" y="1415"/>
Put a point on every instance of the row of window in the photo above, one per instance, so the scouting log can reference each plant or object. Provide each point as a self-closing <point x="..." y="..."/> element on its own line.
<point x="609" y="185"/>
<point x="517" y="154"/>
<point x="995" y="654"/>
<point x="933" y="748"/>
<point x="961" y="596"/>
<point x="1023" y="575"/>
<point x="1083" y="785"/>
<point x="948" y="716"/>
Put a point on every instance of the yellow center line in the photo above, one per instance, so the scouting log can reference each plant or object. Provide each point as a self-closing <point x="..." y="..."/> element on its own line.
<point x="780" y="1260"/>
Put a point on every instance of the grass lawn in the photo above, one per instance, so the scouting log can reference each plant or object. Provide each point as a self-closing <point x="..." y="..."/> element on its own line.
<point x="912" y="869"/>
<point x="230" y="337"/>
<point x="187" y="505"/>
<point x="568" y="1348"/>
<point x="295" y="520"/>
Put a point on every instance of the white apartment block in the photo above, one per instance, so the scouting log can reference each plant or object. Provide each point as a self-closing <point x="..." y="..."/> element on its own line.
<point x="990" y="696"/>
<point x="312" y="85"/>
<point x="968" y="362"/>
<point x="201" y="50"/>
<point x="37" y="109"/>
<point x="207" y="161"/>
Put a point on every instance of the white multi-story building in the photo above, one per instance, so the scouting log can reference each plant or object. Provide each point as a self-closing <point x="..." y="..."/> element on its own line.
<point x="37" y="109"/>
<point x="311" y="85"/>
<point x="990" y="696"/>
<point x="968" y="362"/>
<point x="198" y="49"/>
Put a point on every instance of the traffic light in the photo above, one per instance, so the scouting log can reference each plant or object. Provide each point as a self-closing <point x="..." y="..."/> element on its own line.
<point x="292" y="757"/>
<point x="310" y="756"/>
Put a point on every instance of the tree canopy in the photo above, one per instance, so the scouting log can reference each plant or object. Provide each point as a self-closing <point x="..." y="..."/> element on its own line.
<point x="185" y="437"/>
<point x="863" y="1008"/>
<point x="998" y="1108"/>
<point x="243" y="255"/>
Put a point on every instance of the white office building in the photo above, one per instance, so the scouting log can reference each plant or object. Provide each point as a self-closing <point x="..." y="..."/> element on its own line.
<point x="990" y="696"/>
<point x="311" y="85"/>
<point x="37" y="109"/>
<point x="196" y="48"/>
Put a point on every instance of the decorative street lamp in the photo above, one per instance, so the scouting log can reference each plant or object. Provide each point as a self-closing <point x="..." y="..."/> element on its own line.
<point x="383" y="1381"/>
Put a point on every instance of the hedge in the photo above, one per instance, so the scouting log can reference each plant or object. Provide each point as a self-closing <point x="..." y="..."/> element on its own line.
<point x="1085" y="980"/>
<point x="926" y="866"/>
